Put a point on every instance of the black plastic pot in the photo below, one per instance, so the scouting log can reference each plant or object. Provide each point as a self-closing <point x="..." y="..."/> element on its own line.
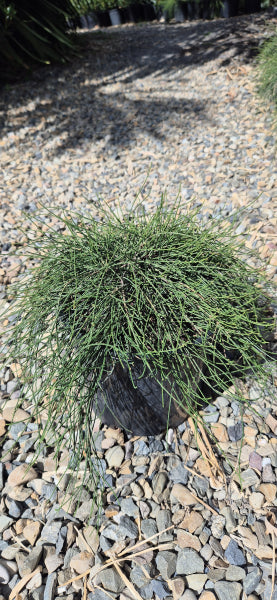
<point x="181" y="12"/>
<point x="103" y="18"/>
<point x="252" y="6"/>
<point x="136" y="402"/>
<point x="230" y="8"/>
<point x="88" y="21"/>
<point x="149" y="12"/>
<point x="192" y="10"/>
<point x="205" y="9"/>
<point x="136" y="13"/>
<point x="115" y="16"/>
<point x="124" y="14"/>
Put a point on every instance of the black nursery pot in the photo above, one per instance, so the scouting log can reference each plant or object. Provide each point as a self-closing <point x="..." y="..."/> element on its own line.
<point x="230" y="8"/>
<point x="181" y="12"/>
<point x="136" y="14"/>
<point x="149" y="12"/>
<point x="136" y="403"/>
<point x="192" y="10"/>
<point x="205" y="9"/>
<point x="131" y="398"/>
<point x="103" y="18"/>
<point x="252" y="6"/>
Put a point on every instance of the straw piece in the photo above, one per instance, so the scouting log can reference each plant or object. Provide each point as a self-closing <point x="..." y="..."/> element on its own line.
<point x="21" y="584"/>
<point x="127" y="582"/>
<point x="204" y="504"/>
<point x="85" y="595"/>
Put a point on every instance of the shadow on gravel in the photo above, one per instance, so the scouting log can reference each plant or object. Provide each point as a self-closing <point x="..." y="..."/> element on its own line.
<point x="90" y="100"/>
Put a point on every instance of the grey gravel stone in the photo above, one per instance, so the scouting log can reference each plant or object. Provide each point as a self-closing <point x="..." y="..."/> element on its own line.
<point x="13" y="386"/>
<point x="16" y="429"/>
<point x="127" y="527"/>
<point x="204" y="535"/>
<point x="155" y="445"/>
<point x="200" y="485"/>
<point x="234" y="555"/>
<point x="57" y="513"/>
<point x="149" y="527"/>
<point x="211" y="417"/>
<point x="160" y="589"/>
<point x="166" y="563"/>
<point x="188" y="595"/>
<point x="129" y="507"/>
<point x="50" y="532"/>
<point x="111" y="532"/>
<point x="235" y="573"/>
<point x="111" y="580"/>
<point x="38" y="594"/>
<point x="235" y="432"/>
<point x="14" y="581"/>
<point x="226" y="590"/>
<point x="163" y="521"/>
<point x="189" y="562"/>
<point x="251" y="581"/>
<point x="145" y="592"/>
<point x="69" y="555"/>
<point x="27" y="564"/>
<point x="217" y="526"/>
<point x="206" y="552"/>
<point x="179" y="475"/>
<point x="5" y="522"/>
<point x="268" y="591"/>
<point x="141" y="448"/>
<point x="216" y="547"/>
<point x="49" y="491"/>
<point x="249" y="478"/>
<point x="231" y="523"/>
<point x="61" y="539"/>
<point x="159" y="483"/>
<point x="104" y="543"/>
<point x="15" y="509"/>
<point x="28" y="513"/>
<point x="138" y="576"/>
<point x="3" y="545"/>
<point x="84" y="511"/>
<point x="4" y="574"/>
<point x="50" y="587"/>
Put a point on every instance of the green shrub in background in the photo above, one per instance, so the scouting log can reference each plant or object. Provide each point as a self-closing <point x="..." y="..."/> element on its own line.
<point x="268" y="70"/>
<point x="34" y="31"/>
<point x="162" y="289"/>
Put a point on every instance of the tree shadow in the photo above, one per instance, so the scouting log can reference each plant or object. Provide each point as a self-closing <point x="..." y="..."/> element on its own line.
<point x="114" y="89"/>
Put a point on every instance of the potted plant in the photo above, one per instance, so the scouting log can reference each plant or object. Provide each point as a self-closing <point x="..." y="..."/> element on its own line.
<point x="174" y="8"/>
<point x="140" y="319"/>
<point x="114" y="13"/>
<point x="101" y="9"/>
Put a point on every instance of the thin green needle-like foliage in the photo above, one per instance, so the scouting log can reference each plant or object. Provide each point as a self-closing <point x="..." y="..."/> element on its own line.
<point x="161" y="288"/>
<point x="267" y="70"/>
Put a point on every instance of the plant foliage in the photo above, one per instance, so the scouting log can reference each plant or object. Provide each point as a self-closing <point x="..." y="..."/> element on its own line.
<point x="268" y="70"/>
<point x="34" y="32"/>
<point x="160" y="288"/>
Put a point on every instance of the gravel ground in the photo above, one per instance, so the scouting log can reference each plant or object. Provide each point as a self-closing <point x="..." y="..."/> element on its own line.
<point x="152" y="108"/>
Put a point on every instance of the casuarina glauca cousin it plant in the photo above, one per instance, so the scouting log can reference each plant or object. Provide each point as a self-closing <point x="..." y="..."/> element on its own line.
<point x="140" y="319"/>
